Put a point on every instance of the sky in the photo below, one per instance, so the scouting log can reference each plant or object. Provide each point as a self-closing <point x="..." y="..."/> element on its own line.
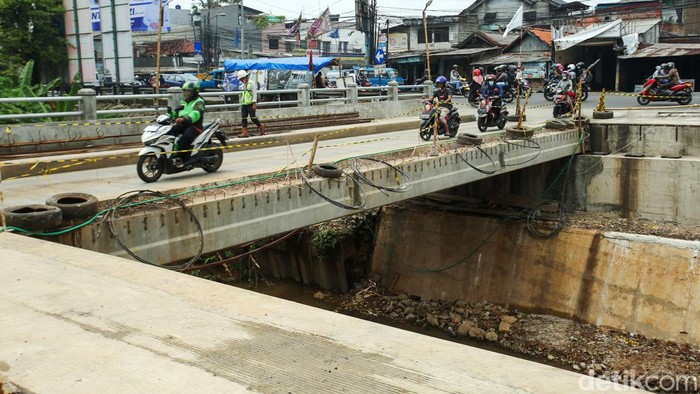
<point x="392" y="9"/>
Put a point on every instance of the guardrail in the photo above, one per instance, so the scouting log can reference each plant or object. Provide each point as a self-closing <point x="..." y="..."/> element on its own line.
<point x="303" y="96"/>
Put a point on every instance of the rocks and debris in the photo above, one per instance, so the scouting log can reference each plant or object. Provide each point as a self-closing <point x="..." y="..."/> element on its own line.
<point x="596" y="351"/>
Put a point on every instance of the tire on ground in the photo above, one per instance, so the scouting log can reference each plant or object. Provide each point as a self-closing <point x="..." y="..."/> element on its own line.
<point x="520" y="132"/>
<point x="466" y="139"/>
<point x="74" y="205"/>
<point x="33" y="217"/>
<point x="602" y="114"/>
<point x="327" y="170"/>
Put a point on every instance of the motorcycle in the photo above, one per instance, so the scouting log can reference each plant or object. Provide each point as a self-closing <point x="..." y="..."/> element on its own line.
<point x="681" y="93"/>
<point x="491" y="113"/>
<point x="157" y="156"/>
<point x="549" y="89"/>
<point x="562" y="106"/>
<point x="428" y="121"/>
<point x="462" y="91"/>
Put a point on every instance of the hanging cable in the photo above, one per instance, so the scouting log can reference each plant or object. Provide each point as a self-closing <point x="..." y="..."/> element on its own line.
<point x="338" y="204"/>
<point x="362" y="178"/>
<point x="128" y="199"/>
<point x="493" y="163"/>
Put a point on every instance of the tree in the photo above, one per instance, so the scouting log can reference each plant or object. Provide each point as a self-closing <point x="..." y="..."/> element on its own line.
<point x="30" y="29"/>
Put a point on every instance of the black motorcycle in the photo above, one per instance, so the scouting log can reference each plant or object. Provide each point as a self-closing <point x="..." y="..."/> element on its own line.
<point x="550" y="89"/>
<point x="474" y="89"/>
<point x="429" y="122"/>
<point x="463" y="89"/>
<point x="492" y="112"/>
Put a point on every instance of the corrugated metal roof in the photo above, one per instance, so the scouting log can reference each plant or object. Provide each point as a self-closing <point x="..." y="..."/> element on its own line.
<point x="441" y="53"/>
<point x="639" y="26"/>
<point x="514" y="58"/>
<point x="665" y="50"/>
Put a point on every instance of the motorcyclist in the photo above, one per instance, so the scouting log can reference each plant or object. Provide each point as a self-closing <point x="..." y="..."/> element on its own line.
<point x="656" y="72"/>
<point x="566" y="85"/>
<point x="556" y="72"/>
<point x="362" y="79"/>
<point x="189" y="116"/>
<point x="475" y="84"/>
<point x="501" y="79"/>
<point x="423" y="78"/>
<point x="455" y="78"/>
<point x="673" y="77"/>
<point x="444" y="98"/>
<point x="489" y="89"/>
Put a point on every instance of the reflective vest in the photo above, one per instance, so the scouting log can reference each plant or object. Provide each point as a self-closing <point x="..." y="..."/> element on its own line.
<point x="247" y="95"/>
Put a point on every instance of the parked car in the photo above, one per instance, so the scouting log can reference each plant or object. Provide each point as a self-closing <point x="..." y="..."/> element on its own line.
<point x="179" y="79"/>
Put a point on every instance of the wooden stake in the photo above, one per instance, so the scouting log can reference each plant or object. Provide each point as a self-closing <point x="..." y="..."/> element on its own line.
<point x="309" y="170"/>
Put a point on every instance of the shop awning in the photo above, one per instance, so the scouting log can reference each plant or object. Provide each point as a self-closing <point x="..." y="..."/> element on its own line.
<point x="567" y="42"/>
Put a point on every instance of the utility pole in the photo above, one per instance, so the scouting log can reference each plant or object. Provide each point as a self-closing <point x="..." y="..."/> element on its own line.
<point x="241" y="15"/>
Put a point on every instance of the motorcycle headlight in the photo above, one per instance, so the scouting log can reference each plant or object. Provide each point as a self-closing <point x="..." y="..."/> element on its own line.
<point x="150" y="142"/>
<point x="427" y="107"/>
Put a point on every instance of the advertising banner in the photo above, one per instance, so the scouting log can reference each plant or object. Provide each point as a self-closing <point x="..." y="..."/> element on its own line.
<point x="144" y="15"/>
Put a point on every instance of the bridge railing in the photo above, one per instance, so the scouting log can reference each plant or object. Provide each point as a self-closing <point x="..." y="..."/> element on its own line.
<point x="148" y="104"/>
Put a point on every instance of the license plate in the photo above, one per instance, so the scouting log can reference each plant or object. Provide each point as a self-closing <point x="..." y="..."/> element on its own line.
<point x="425" y="116"/>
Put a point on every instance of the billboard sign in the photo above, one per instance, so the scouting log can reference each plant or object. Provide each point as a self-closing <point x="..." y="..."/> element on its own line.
<point x="144" y="15"/>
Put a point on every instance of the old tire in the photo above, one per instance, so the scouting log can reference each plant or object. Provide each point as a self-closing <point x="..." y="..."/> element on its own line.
<point x="602" y="115"/>
<point x="467" y="139"/>
<point x="522" y="132"/>
<point x="33" y="217"/>
<point x="74" y="205"/>
<point x="327" y="170"/>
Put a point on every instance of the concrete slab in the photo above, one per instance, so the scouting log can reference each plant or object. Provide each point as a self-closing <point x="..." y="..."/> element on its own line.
<point x="74" y="321"/>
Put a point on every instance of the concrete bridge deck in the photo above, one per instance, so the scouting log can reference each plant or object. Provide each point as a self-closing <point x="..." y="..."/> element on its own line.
<point x="75" y="321"/>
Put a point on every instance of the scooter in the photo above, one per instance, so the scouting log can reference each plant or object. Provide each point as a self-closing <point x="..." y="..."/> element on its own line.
<point x="562" y="106"/>
<point x="549" y="89"/>
<point x="429" y="121"/>
<point x="474" y="89"/>
<point x="463" y="89"/>
<point x="491" y="113"/>
<point x="681" y="93"/>
<point x="158" y="156"/>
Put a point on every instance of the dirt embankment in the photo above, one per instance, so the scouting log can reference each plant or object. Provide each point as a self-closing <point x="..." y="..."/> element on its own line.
<point x="613" y="355"/>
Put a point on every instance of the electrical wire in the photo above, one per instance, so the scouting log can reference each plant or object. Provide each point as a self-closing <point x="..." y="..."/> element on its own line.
<point x="127" y="199"/>
<point x="362" y="178"/>
<point x="537" y="146"/>
<point x="493" y="162"/>
<point x="336" y="203"/>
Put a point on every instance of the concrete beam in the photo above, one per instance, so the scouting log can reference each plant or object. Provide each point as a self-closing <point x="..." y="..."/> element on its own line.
<point x="231" y="217"/>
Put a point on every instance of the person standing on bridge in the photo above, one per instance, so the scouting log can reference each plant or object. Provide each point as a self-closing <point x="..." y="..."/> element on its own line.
<point x="248" y="105"/>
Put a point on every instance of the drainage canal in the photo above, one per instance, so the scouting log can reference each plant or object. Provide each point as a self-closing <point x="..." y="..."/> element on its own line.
<point x="594" y="299"/>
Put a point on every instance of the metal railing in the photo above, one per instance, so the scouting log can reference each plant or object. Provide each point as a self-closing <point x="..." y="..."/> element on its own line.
<point x="303" y="96"/>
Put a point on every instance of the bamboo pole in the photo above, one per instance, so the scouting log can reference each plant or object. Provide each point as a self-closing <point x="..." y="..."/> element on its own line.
<point x="309" y="169"/>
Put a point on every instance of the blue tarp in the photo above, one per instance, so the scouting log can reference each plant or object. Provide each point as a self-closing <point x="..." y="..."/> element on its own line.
<point x="287" y="63"/>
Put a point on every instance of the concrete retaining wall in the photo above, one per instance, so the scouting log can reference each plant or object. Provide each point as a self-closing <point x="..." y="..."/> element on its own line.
<point x="646" y="188"/>
<point x="84" y="134"/>
<point x="644" y="284"/>
<point x="645" y="138"/>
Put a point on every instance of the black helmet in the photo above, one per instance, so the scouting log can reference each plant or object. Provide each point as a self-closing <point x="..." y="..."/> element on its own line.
<point x="455" y="66"/>
<point x="666" y="66"/>
<point x="671" y="65"/>
<point x="512" y="68"/>
<point x="580" y="65"/>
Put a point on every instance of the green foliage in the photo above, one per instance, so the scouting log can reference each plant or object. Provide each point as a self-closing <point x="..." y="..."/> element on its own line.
<point x="260" y="21"/>
<point x="22" y="87"/>
<point x="327" y="237"/>
<point x="30" y="31"/>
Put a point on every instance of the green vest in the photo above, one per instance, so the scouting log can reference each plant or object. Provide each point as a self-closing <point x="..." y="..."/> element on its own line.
<point x="247" y="95"/>
<point x="193" y="110"/>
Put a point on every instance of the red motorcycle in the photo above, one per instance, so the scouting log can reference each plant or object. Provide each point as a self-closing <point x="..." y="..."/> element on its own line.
<point x="681" y="93"/>
<point x="492" y="112"/>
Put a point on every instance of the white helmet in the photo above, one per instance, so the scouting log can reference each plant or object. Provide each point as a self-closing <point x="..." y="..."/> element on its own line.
<point x="572" y="75"/>
<point x="571" y="67"/>
<point x="241" y="74"/>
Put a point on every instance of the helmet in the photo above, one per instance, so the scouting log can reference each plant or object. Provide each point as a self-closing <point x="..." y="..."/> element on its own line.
<point x="241" y="74"/>
<point x="572" y="75"/>
<point x="658" y="68"/>
<point x="490" y="77"/>
<point x="558" y="67"/>
<point x="191" y="85"/>
<point x="671" y="65"/>
<point x="441" y="79"/>
<point x="666" y="66"/>
<point x="476" y="72"/>
<point x="571" y="67"/>
<point x="362" y="69"/>
<point x="565" y="76"/>
<point x="512" y="68"/>
<point x="580" y="65"/>
<point x="455" y="66"/>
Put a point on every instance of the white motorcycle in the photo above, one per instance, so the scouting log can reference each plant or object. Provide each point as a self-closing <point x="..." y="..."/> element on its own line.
<point x="157" y="157"/>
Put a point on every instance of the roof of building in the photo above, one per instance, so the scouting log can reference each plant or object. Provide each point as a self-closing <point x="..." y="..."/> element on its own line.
<point x="514" y="58"/>
<point x="491" y="38"/>
<point x="545" y="35"/>
<point x="444" y="52"/>
<point x="666" y="50"/>
<point x="574" y="5"/>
